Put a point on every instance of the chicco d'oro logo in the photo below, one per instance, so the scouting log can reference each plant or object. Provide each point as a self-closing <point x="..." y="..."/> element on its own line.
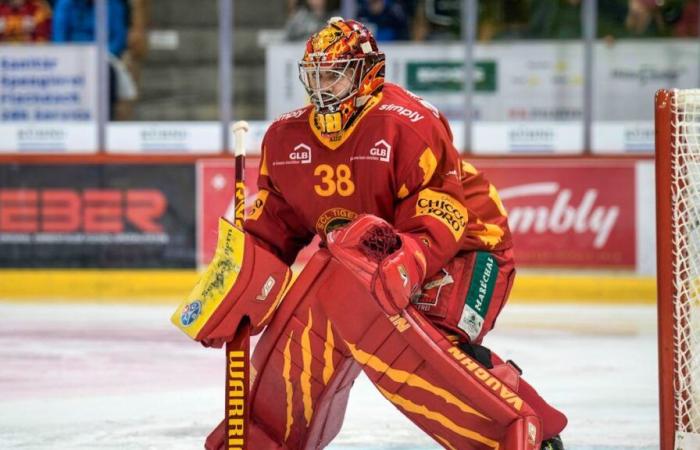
<point x="333" y="218"/>
<point x="444" y="208"/>
<point x="190" y="313"/>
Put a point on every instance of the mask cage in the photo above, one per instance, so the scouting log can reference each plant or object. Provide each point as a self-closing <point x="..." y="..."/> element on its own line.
<point x="321" y="79"/>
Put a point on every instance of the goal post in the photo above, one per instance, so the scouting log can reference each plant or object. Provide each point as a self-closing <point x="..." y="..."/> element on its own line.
<point x="677" y="122"/>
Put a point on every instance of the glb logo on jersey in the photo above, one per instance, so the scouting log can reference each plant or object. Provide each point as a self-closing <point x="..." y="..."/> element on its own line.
<point x="380" y="151"/>
<point x="301" y="153"/>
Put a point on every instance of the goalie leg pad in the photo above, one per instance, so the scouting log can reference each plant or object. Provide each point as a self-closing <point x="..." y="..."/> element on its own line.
<point x="301" y="372"/>
<point x="242" y="280"/>
<point x="553" y="420"/>
<point x="449" y="395"/>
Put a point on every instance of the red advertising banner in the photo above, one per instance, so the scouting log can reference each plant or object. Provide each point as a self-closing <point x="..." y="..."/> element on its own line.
<point x="97" y="215"/>
<point x="215" y="198"/>
<point x="562" y="213"/>
<point x="568" y="213"/>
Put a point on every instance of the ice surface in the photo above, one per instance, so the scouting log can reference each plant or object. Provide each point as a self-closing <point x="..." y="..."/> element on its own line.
<point x="121" y="377"/>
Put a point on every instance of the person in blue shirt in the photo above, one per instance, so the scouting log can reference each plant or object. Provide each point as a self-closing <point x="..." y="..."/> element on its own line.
<point x="386" y="19"/>
<point x="74" y="21"/>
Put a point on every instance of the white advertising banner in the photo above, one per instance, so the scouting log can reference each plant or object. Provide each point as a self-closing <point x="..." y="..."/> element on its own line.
<point x="615" y="137"/>
<point x="527" y="82"/>
<point x="164" y="137"/>
<point x="48" y="137"/>
<point x="48" y="98"/>
<point x="178" y="137"/>
<point x="491" y="138"/>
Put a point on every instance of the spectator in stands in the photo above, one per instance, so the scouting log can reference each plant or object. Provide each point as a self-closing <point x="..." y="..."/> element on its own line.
<point x="555" y="19"/>
<point x="562" y="19"/>
<point x="652" y="18"/>
<point x="437" y="20"/>
<point x="497" y="19"/>
<point x="74" y="21"/>
<point x="687" y="24"/>
<point x="24" y="21"/>
<point x="386" y="19"/>
<point x="644" y="19"/>
<point x="611" y="19"/>
<point x="136" y="49"/>
<point x="309" y="17"/>
<point x="503" y="19"/>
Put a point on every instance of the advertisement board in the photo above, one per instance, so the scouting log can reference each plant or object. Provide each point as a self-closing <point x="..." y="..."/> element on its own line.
<point x="216" y="198"/>
<point x="48" y="98"/>
<point x="562" y="213"/>
<point x="97" y="215"/>
<point x="574" y="214"/>
<point x="528" y="95"/>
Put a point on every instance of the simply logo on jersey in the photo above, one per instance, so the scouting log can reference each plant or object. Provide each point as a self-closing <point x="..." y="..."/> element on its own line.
<point x="291" y="115"/>
<point x="301" y="154"/>
<point x="380" y="151"/>
<point x="413" y="116"/>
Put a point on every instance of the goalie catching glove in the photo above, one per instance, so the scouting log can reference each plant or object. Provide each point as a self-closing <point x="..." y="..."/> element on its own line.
<point x="391" y="262"/>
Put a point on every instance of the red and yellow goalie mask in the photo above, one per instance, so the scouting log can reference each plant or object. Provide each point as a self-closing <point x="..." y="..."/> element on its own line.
<point x="341" y="70"/>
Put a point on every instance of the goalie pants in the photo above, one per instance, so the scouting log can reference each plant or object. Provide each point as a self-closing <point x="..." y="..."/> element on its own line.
<point x="465" y="298"/>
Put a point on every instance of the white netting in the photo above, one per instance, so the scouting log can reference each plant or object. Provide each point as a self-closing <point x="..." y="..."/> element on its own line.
<point x="685" y="181"/>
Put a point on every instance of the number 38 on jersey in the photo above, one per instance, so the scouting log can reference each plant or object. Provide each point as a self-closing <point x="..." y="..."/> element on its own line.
<point x="332" y="180"/>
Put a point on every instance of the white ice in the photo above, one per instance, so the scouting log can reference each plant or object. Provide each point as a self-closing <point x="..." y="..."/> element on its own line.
<point x="121" y="377"/>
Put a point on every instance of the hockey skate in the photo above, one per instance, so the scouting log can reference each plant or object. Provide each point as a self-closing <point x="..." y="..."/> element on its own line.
<point x="554" y="443"/>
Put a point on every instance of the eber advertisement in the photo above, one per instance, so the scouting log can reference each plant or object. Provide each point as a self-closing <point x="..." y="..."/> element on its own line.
<point x="562" y="213"/>
<point x="97" y="215"/>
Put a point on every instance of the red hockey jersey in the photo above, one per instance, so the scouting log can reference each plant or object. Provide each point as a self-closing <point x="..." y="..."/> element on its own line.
<point x="395" y="161"/>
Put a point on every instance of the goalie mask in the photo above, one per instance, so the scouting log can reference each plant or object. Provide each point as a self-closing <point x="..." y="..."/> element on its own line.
<point x="342" y="68"/>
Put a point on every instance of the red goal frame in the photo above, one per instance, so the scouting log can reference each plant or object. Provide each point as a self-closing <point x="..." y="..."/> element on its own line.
<point x="674" y="306"/>
<point x="664" y="119"/>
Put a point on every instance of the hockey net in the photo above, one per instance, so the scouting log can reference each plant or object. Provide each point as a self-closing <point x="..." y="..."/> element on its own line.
<point x="678" y="247"/>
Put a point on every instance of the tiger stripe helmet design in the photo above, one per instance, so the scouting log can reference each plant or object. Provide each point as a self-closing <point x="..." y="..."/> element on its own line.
<point x="341" y="70"/>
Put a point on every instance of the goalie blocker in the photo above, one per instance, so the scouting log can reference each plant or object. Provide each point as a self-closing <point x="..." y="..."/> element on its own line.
<point x="332" y="324"/>
<point x="243" y="280"/>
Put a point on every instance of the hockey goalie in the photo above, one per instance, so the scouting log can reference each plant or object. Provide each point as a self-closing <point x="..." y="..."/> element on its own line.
<point x="415" y="265"/>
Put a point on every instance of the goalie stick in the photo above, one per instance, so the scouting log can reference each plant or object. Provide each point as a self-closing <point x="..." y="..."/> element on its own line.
<point x="238" y="349"/>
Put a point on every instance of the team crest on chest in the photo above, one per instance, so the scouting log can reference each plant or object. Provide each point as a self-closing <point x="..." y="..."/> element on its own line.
<point x="333" y="218"/>
<point x="300" y="154"/>
<point x="380" y="151"/>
